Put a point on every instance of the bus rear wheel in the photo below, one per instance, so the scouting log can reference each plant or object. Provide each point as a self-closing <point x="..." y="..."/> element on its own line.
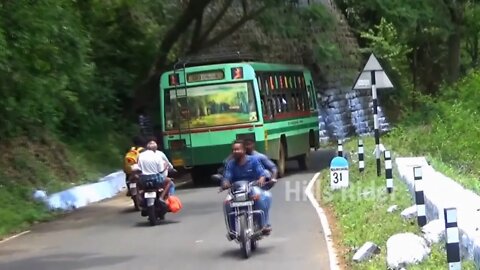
<point x="281" y="161"/>
<point x="303" y="161"/>
<point x="201" y="175"/>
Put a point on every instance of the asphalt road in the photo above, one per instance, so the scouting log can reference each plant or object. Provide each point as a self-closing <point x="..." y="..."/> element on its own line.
<point x="109" y="235"/>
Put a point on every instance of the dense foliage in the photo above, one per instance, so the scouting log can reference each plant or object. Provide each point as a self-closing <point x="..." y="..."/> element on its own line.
<point x="69" y="66"/>
<point x="431" y="49"/>
<point x="72" y="74"/>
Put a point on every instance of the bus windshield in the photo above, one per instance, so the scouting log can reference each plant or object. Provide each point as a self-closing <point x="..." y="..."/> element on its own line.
<point x="210" y="105"/>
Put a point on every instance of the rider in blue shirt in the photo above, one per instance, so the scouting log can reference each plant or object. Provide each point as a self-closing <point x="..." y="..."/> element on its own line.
<point x="270" y="168"/>
<point x="245" y="167"/>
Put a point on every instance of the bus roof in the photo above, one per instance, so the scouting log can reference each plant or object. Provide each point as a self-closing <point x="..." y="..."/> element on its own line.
<point x="257" y="66"/>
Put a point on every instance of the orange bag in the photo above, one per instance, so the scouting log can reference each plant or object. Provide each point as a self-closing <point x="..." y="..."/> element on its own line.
<point x="174" y="204"/>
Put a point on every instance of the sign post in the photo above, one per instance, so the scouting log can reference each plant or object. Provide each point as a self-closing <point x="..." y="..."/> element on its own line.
<point x="374" y="77"/>
<point x="339" y="177"/>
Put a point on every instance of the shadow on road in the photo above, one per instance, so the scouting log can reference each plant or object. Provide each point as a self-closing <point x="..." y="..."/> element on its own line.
<point x="63" y="261"/>
<point x="318" y="161"/>
<point x="236" y="253"/>
<point x="161" y="223"/>
<point x="129" y="210"/>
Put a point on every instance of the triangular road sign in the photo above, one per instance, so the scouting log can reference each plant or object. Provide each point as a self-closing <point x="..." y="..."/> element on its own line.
<point x="372" y="64"/>
<point x="364" y="79"/>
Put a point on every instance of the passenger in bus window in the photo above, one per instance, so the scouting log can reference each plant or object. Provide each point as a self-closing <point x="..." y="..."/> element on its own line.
<point x="302" y="102"/>
<point x="293" y="101"/>
<point x="262" y="101"/>
<point x="279" y="103"/>
<point x="273" y="101"/>
<point x="271" y="108"/>
<point x="297" y="101"/>
<point x="284" y="103"/>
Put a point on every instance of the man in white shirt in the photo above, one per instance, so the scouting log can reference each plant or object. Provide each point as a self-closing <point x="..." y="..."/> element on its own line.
<point x="154" y="165"/>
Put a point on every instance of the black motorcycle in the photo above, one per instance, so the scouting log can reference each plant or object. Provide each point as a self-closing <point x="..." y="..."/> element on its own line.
<point x="133" y="191"/>
<point x="150" y="204"/>
<point x="247" y="228"/>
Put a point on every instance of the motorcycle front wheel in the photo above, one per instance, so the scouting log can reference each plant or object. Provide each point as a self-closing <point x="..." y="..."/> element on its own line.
<point x="245" y="242"/>
<point x="253" y="244"/>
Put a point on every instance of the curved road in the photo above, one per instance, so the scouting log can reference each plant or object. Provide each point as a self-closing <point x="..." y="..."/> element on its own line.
<point x="109" y="235"/>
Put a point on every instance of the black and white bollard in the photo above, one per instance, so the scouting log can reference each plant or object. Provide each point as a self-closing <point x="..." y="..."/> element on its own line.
<point x="375" y="123"/>
<point x="453" y="239"/>
<point x="419" y="196"/>
<point x="361" y="161"/>
<point x="388" y="171"/>
<point x="340" y="148"/>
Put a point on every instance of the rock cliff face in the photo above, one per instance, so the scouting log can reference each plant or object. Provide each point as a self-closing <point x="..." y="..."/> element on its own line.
<point x="344" y="112"/>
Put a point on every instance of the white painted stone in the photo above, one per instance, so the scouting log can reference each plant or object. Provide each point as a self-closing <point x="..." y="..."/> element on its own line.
<point x="434" y="231"/>
<point x="40" y="195"/>
<point x="406" y="248"/>
<point x="442" y="192"/>
<point x="366" y="252"/>
<point x="409" y="212"/>
<point x="392" y="208"/>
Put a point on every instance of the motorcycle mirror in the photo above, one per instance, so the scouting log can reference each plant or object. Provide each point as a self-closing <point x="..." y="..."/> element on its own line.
<point x="216" y="178"/>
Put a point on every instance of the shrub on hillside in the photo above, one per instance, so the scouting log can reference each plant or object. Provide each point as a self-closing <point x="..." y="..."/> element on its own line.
<point x="447" y="126"/>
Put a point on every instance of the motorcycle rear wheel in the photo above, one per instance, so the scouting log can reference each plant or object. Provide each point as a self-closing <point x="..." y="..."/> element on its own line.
<point x="136" y="203"/>
<point x="152" y="216"/>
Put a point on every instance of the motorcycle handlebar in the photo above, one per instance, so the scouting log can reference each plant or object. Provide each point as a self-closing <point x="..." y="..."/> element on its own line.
<point x="252" y="183"/>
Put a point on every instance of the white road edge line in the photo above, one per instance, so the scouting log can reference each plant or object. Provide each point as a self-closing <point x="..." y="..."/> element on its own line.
<point x="324" y="221"/>
<point x="14" y="236"/>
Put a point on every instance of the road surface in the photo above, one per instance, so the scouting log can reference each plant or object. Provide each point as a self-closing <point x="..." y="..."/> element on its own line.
<point x="109" y="235"/>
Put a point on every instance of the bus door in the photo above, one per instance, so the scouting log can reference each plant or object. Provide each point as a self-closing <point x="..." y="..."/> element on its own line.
<point x="312" y="94"/>
<point x="182" y="115"/>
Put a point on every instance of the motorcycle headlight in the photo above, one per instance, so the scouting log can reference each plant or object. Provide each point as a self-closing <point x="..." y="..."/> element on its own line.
<point x="240" y="197"/>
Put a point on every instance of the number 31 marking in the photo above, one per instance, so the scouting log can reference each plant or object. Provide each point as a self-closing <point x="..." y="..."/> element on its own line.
<point x="337" y="177"/>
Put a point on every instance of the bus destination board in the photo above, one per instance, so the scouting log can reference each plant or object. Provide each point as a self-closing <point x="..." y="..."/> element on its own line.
<point x="205" y="76"/>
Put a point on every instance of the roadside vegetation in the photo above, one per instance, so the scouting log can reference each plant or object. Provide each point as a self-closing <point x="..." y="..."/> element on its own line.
<point x="433" y="109"/>
<point x="74" y="73"/>
<point x="445" y="130"/>
<point x="430" y="50"/>
<point x="359" y="214"/>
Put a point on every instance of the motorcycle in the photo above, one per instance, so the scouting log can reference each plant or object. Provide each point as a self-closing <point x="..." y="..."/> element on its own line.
<point x="133" y="191"/>
<point x="247" y="228"/>
<point x="151" y="206"/>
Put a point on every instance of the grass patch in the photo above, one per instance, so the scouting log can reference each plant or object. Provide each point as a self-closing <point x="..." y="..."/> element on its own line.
<point x="46" y="163"/>
<point x="359" y="213"/>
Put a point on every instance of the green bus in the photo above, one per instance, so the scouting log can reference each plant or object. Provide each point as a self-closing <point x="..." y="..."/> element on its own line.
<point x="205" y="107"/>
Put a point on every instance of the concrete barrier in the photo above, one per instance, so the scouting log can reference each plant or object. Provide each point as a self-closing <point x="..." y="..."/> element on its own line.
<point x="83" y="195"/>
<point x="442" y="192"/>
